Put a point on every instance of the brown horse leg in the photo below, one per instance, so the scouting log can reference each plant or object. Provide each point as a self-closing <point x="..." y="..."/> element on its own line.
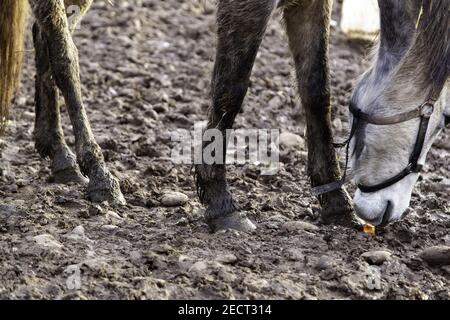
<point x="51" y="18"/>
<point x="241" y="26"/>
<point x="307" y="25"/>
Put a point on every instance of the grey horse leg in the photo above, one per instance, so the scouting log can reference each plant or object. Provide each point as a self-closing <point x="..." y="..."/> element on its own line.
<point x="48" y="133"/>
<point x="241" y="26"/>
<point x="307" y="26"/>
<point x="63" y="56"/>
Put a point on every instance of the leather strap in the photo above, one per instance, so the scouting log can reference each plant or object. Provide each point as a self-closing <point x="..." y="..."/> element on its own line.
<point x="390" y="120"/>
<point x="412" y="167"/>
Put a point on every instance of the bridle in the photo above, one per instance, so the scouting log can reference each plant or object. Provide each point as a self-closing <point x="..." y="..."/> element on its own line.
<point x="424" y="112"/>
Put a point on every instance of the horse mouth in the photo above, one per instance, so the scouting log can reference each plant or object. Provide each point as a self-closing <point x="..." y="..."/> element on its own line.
<point x="385" y="219"/>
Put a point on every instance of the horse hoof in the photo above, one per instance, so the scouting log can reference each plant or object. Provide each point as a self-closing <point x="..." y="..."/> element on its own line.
<point x="347" y="220"/>
<point x="70" y="175"/>
<point x="235" y="220"/>
<point x="337" y="209"/>
<point x="105" y="188"/>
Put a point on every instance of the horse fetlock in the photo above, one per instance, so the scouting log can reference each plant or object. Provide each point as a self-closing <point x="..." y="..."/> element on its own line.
<point x="90" y="158"/>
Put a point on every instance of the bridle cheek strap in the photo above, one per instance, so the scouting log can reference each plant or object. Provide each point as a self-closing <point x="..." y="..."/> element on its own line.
<point x="424" y="112"/>
<point x="413" y="165"/>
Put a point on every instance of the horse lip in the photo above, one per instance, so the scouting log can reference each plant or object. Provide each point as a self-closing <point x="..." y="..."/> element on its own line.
<point x="387" y="214"/>
<point x="385" y="219"/>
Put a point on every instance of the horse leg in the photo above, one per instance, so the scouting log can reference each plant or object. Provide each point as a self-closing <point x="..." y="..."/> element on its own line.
<point x="241" y="26"/>
<point x="48" y="133"/>
<point x="53" y="23"/>
<point x="307" y="26"/>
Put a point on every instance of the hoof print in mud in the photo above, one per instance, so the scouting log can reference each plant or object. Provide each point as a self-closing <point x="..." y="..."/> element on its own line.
<point x="236" y="221"/>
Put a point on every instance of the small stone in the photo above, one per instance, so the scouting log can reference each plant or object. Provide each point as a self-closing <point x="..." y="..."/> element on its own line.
<point x="72" y="269"/>
<point x="78" y="234"/>
<point x="182" y="222"/>
<point x="296" y="226"/>
<point x="109" y="227"/>
<point x="135" y="256"/>
<point x="199" y="267"/>
<point x="294" y="254"/>
<point x="174" y="199"/>
<point x="114" y="216"/>
<point x="185" y="262"/>
<point x="79" y="231"/>
<point x="226" y="258"/>
<point x="324" y="263"/>
<point x="377" y="257"/>
<point x="436" y="256"/>
<point x="47" y="241"/>
<point x="291" y="140"/>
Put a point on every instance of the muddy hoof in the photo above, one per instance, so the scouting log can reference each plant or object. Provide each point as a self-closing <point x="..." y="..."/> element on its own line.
<point x="236" y="220"/>
<point x="337" y="209"/>
<point x="347" y="220"/>
<point x="103" y="186"/>
<point x="65" y="169"/>
<point x="70" y="175"/>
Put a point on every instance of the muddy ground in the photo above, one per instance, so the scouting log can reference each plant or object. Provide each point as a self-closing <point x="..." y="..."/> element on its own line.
<point x="146" y="70"/>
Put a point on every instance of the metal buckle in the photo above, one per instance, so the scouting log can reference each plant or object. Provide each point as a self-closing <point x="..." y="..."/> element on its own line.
<point x="427" y="109"/>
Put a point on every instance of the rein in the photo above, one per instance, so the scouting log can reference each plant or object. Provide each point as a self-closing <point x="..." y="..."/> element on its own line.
<point x="424" y="112"/>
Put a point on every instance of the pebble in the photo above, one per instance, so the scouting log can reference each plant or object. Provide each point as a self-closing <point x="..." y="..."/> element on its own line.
<point x="185" y="262"/>
<point x="226" y="258"/>
<point x="174" y="199"/>
<point x="291" y="140"/>
<point x="79" y="231"/>
<point x="296" y="226"/>
<point x="135" y="256"/>
<point x="114" y="216"/>
<point x="436" y="256"/>
<point x="199" y="267"/>
<point x="47" y="241"/>
<point x="324" y="263"/>
<point x="377" y="257"/>
<point x="294" y="254"/>
<point x="109" y="227"/>
<point x="79" y="234"/>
